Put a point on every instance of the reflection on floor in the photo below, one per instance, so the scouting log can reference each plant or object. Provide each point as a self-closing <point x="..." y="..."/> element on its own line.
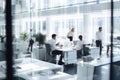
<point x="70" y="69"/>
<point x="100" y="73"/>
<point x="116" y="71"/>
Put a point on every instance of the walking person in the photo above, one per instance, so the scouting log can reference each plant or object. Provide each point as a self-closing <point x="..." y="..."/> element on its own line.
<point x="31" y="42"/>
<point x="99" y="37"/>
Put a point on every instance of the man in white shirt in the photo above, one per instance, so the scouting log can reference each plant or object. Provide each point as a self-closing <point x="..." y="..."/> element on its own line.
<point x="54" y="45"/>
<point x="99" y="37"/>
<point x="79" y="46"/>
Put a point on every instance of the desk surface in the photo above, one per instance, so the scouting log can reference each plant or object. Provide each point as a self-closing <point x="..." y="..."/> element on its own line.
<point x="29" y="65"/>
<point x="100" y="62"/>
<point x="66" y="49"/>
<point x="34" y="64"/>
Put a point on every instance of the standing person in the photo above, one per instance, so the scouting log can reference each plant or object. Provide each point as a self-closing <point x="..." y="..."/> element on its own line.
<point x="55" y="52"/>
<point x="99" y="37"/>
<point x="70" y="34"/>
<point x="31" y="42"/>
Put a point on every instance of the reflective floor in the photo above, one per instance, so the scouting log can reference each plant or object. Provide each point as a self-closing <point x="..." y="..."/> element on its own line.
<point x="100" y="72"/>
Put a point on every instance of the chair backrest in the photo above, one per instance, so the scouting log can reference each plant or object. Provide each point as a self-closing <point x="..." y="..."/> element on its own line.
<point x="85" y="50"/>
<point x="48" y="48"/>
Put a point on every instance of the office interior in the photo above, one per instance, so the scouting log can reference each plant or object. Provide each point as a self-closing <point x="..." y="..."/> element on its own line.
<point x="47" y="17"/>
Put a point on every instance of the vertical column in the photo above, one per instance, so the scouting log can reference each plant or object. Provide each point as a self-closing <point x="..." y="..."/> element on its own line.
<point x="48" y="27"/>
<point x="31" y="28"/>
<point x="9" y="51"/>
<point x="87" y="28"/>
<point x="112" y="31"/>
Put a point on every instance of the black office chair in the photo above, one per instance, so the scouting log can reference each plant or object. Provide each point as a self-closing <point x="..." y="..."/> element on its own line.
<point x="49" y="57"/>
<point x="79" y="54"/>
<point x="86" y="50"/>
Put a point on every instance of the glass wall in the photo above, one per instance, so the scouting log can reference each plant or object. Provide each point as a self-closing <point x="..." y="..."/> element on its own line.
<point x="2" y="40"/>
<point x="46" y="17"/>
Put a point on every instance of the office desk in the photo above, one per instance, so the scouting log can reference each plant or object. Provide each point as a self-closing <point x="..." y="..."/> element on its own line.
<point x="70" y="55"/>
<point x="39" y="53"/>
<point x="85" y="70"/>
<point x="33" y="69"/>
<point x="94" y="51"/>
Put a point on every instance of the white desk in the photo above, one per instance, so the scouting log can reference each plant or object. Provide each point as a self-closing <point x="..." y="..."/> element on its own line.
<point x="39" y="53"/>
<point x="70" y="55"/>
<point x="85" y="70"/>
<point x="94" y="51"/>
<point x="33" y="69"/>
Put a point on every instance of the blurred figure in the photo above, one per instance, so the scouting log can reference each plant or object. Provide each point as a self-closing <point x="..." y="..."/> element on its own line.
<point x="99" y="38"/>
<point x="70" y="34"/>
<point x="55" y="52"/>
<point x="31" y="42"/>
<point x="79" y="46"/>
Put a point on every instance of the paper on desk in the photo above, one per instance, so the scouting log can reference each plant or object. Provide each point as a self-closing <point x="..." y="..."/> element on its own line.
<point x="28" y="66"/>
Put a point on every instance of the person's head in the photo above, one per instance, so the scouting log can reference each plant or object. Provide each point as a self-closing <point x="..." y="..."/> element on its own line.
<point x="100" y="29"/>
<point x="53" y="36"/>
<point x="80" y="37"/>
<point x="73" y="29"/>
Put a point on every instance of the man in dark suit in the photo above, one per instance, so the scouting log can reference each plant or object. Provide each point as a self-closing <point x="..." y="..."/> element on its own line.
<point x="31" y="42"/>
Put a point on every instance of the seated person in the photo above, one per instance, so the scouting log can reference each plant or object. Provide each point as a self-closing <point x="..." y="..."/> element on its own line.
<point x="55" y="52"/>
<point x="79" y="46"/>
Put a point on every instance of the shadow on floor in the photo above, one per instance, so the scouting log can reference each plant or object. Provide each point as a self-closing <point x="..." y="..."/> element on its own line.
<point x="70" y="69"/>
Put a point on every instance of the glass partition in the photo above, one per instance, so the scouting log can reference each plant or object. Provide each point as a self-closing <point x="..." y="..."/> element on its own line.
<point x="2" y="40"/>
<point x="115" y="47"/>
<point x="33" y="23"/>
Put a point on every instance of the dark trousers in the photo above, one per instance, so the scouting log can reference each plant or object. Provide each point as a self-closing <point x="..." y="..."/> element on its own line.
<point x="79" y="54"/>
<point x="57" y="52"/>
<point x="108" y="46"/>
<point x="99" y="44"/>
<point x="30" y="46"/>
<point x="70" y="38"/>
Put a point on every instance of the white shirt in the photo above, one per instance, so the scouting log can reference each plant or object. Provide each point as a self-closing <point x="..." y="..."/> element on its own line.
<point x="70" y="34"/>
<point x="99" y="35"/>
<point x="52" y="43"/>
<point x="79" y="45"/>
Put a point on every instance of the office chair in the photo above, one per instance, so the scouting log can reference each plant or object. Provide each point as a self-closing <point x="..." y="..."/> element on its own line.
<point x="85" y="50"/>
<point x="86" y="54"/>
<point x="79" y="54"/>
<point x="49" y="57"/>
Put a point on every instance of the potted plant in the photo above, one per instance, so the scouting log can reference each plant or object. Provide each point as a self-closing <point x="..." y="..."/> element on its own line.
<point x="40" y="38"/>
<point x="24" y="36"/>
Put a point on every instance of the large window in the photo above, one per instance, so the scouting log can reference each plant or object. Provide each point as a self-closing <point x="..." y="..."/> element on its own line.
<point x="39" y="19"/>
